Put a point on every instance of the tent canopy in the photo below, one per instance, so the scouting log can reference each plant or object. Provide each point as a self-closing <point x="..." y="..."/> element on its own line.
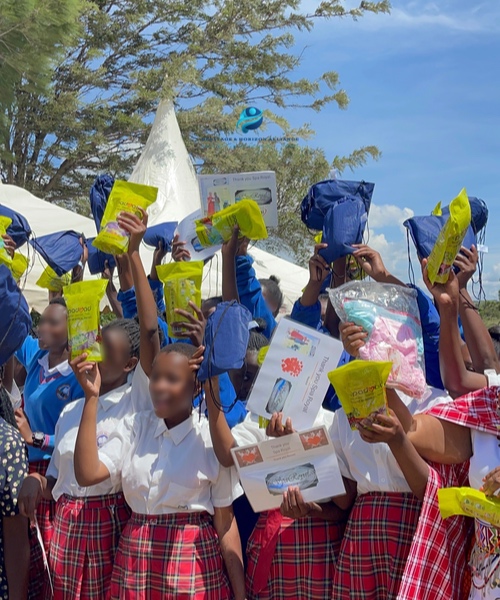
<point x="164" y="163"/>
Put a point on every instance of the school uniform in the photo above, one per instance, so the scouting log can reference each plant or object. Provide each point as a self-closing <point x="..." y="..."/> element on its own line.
<point x="289" y="558"/>
<point x="384" y="518"/>
<point x="46" y="392"/>
<point x="89" y="520"/>
<point x="172" y="482"/>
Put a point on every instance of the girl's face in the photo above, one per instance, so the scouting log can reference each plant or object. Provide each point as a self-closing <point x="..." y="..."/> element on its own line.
<point x="117" y="362"/>
<point x="171" y="385"/>
<point x="242" y="379"/>
<point x="53" y="328"/>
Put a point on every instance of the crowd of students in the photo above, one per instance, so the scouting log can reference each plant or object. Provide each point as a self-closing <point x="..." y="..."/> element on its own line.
<point x="117" y="478"/>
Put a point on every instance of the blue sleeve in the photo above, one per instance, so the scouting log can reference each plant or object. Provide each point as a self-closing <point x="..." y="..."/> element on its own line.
<point x="331" y="401"/>
<point x="157" y="289"/>
<point x="250" y="293"/>
<point x="27" y="351"/>
<point x="51" y="444"/>
<point x="128" y="302"/>
<point x="238" y="412"/>
<point x="429" y="317"/>
<point x="307" y="315"/>
<point x="164" y="329"/>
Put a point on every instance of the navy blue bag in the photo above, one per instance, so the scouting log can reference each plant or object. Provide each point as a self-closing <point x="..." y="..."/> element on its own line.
<point x="322" y="195"/>
<point x="19" y="230"/>
<point x="424" y="232"/>
<point x="62" y="250"/>
<point x="164" y="233"/>
<point x="99" y="194"/>
<point x="15" y="319"/>
<point x="226" y="339"/>
<point x="97" y="259"/>
<point x="343" y="226"/>
<point x="479" y="213"/>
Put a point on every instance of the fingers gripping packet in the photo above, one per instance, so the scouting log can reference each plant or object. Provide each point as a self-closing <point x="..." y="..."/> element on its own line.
<point x="125" y="197"/>
<point x="84" y="318"/>
<point x="218" y="228"/>
<point x="5" y="258"/>
<point x="51" y="281"/>
<point x="390" y="316"/>
<point x="469" y="502"/>
<point x="360" y="386"/>
<point x="182" y="283"/>
<point x="450" y="239"/>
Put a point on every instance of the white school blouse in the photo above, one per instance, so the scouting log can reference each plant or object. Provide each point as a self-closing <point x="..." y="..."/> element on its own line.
<point x="111" y="410"/>
<point x="165" y="471"/>
<point x="373" y="466"/>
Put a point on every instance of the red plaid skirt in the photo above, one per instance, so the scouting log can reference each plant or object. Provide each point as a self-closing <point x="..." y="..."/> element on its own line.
<point x="169" y="557"/>
<point x="376" y="544"/>
<point x="39" y="579"/>
<point x="303" y="562"/>
<point x="82" y="553"/>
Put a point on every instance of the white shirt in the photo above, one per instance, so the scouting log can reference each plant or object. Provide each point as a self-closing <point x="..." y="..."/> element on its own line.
<point x="166" y="471"/>
<point x="112" y="409"/>
<point x="373" y="466"/>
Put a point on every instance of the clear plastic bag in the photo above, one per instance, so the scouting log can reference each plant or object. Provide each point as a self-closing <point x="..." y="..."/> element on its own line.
<point x="390" y="316"/>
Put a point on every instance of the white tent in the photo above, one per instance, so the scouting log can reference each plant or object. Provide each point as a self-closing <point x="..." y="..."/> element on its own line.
<point x="164" y="163"/>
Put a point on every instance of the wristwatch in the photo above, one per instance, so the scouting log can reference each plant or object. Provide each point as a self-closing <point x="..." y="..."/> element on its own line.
<point x="38" y="439"/>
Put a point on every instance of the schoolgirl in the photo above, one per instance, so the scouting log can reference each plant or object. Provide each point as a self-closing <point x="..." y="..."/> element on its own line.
<point x="182" y="528"/>
<point x="88" y="521"/>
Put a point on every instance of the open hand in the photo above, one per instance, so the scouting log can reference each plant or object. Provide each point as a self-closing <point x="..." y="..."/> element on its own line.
<point x="192" y="329"/>
<point x="135" y="226"/>
<point x="88" y="375"/>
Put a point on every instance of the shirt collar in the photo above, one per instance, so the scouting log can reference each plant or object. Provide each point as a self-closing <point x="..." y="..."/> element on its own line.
<point x="113" y="397"/>
<point x="177" y="433"/>
<point x="62" y="368"/>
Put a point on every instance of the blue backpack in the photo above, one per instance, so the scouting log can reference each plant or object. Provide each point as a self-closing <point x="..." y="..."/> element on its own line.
<point x="99" y="194"/>
<point x="424" y="232"/>
<point x="226" y="339"/>
<point x="97" y="259"/>
<point x="15" y="319"/>
<point x="162" y="233"/>
<point x="19" y="230"/>
<point x="323" y="195"/>
<point x="62" y="250"/>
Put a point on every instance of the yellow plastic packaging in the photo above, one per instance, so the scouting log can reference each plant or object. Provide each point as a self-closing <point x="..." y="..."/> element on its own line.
<point x="218" y="228"/>
<point x="5" y="258"/>
<point x="261" y="356"/>
<point x="450" y="239"/>
<point x="360" y="386"/>
<point x="19" y="265"/>
<point x="124" y="197"/>
<point x="51" y="281"/>
<point x="84" y="318"/>
<point x="182" y="284"/>
<point x="469" y="502"/>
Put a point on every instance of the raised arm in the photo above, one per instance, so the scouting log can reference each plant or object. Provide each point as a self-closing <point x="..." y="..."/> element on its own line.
<point x="146" y="305"/>
<point x="478" y="339"/>
<point x="457" y="380"/>
<point x="89" y="470"/>
<point x="222" y="438"/>
<point x="229" y="285"/>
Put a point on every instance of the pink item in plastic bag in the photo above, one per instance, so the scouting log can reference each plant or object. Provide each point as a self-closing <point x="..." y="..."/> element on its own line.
<point x="394" y="341"/>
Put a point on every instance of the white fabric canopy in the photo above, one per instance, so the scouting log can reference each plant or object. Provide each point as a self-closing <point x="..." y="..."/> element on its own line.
<point x="165" y="164"/>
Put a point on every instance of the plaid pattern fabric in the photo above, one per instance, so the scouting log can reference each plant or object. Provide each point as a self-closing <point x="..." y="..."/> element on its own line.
<point x="375" y="547"/>
<point x="39" y="581"/>
<point x="438" y="557"/>
<point x="303" y="562"/>
<point x="169" y="557"/>
<point x="83" y="548"/>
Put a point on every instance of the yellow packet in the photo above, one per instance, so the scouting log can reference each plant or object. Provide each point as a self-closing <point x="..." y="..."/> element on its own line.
<point x="124" y="197"/>
<point x="84" y="318"/>
<point x="318" y="237"/>
<point x="19" y="265"/>
<point x="51" y="281"/>
<point x="263" y="422"/>
<point x="469" y="502"/>
<point x="218" y="228"/>
<point x="5" y="258"/>
<point x="449" y="240"/>
<point x="360" y="386"/>
<point x="261" y="356"/>
<point x="182" y="284"/>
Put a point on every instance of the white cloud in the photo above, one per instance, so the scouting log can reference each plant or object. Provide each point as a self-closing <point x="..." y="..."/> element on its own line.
<point x="388" y="215"/>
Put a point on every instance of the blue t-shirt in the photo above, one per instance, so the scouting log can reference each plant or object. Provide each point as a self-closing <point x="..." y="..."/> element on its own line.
<point x="227" y="395"/>
<point x="46" y="393"/>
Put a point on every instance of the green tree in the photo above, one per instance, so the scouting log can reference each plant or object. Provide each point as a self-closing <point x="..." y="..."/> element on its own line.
<point x="212" y="57"/>
<point x="32" y="34"/>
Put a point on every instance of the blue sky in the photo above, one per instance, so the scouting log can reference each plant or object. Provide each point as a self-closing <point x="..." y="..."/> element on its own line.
<point x="424" y="87"/>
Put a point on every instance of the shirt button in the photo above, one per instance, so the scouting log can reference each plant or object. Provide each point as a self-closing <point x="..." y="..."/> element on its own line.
<point x="382" y="480"/>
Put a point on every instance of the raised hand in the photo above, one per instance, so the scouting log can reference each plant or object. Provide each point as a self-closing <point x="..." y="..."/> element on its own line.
<point x="87" y="375"/>
<point x="192" y="329"/>
<point x="179" y="252"/>
<point x="135" y="226"/>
